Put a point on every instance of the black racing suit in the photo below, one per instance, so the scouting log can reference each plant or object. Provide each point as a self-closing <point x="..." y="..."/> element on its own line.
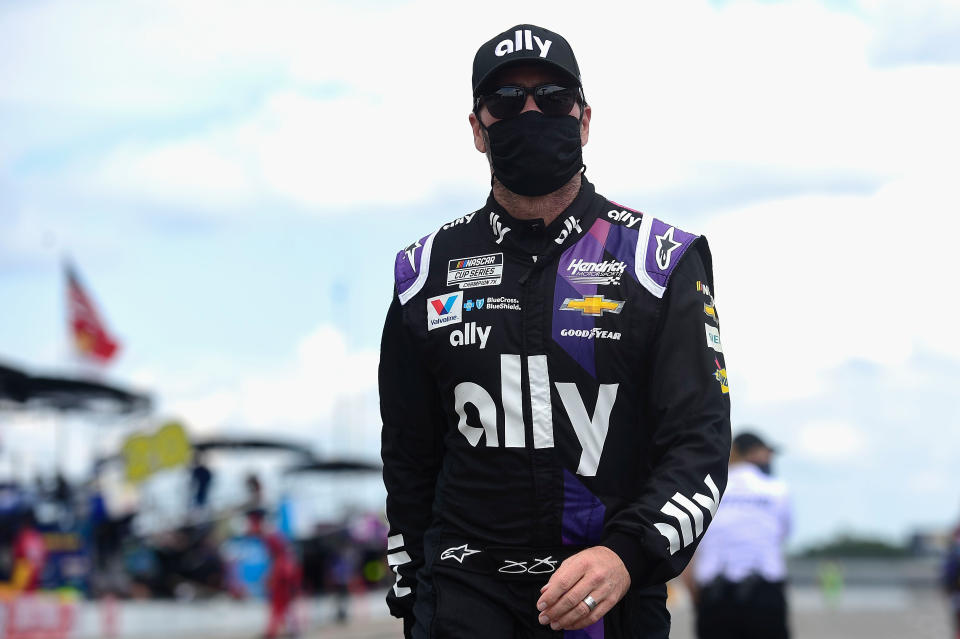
<point x="544" y="390"/>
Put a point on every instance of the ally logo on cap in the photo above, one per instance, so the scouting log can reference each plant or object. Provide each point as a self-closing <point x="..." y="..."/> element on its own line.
<point x="523" y="39"/>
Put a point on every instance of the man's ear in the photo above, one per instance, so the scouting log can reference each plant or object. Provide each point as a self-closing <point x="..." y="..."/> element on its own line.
<point x="478" y="140"/>
<point x="585" y="125"/>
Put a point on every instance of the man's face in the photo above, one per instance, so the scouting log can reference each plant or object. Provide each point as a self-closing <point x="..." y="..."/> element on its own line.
<point x="525" y="75"/>
<point x="759" y="455"/>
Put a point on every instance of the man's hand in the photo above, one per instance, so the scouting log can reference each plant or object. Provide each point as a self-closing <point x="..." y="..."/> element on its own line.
<point x="597" y="572"/>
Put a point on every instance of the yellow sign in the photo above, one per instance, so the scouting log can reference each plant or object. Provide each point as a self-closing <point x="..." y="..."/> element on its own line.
<point x="593" y="305"/>
<point x="145" y="454"/>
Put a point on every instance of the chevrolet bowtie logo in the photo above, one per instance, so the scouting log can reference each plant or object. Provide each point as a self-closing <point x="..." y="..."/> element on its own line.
<point x="593" y="305"/>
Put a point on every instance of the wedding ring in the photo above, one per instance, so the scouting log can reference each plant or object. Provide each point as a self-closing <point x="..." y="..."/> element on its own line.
<point x="591" y="602"/>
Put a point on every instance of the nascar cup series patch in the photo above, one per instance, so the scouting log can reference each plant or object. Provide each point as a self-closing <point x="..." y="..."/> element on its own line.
<point x="480" y="270"/>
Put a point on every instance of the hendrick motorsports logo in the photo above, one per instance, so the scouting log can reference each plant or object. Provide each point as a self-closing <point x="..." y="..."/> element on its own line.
<point x="605" y="272"/>
<point x="471" y="272"/>
<point x="444" y="309"/>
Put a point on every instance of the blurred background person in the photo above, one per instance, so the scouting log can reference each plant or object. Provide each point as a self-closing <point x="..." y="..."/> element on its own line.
<point x="737" y="577"/>
<point x="254" y="492"/>
<point x="29" y="554"/>
<point x="830" y="578"/>
<point x="200" y="479"/>
<point x="284" y="578"/>
<point x="283" y="586"/>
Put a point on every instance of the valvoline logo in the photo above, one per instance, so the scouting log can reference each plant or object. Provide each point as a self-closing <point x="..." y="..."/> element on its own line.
<point x="444" y="309"/>
<point x="444" y="306"/>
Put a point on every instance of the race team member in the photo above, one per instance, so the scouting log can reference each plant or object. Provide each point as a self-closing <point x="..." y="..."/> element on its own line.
<point x="29" y="554"/>
<point x="552" y="385"/>
<point x="739" y="572"/>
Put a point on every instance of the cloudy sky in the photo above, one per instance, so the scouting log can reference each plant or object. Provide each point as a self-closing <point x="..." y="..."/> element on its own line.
<point x="233" y="181"/>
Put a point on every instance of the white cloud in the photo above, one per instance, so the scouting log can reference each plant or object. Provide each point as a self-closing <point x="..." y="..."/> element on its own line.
<point x="349" y="110"/>
<point x="831" y="441"/>
<point x="806" y="284"/>
<point x="914" y="32"/>
<point x="313" y="395"/>
<point x="296" y="150"/>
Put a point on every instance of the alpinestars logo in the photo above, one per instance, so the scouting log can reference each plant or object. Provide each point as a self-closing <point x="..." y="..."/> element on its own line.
<point x="459" y="553"/>
<point x="666" y="245"/>
<point x="499" y="229"/>
<point x="411" y="252"/>
<point x="444" y="309"/>
<point x="607" y="272"/>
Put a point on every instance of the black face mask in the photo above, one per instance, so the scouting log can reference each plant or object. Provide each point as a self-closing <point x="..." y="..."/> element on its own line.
<point x="766" y="469"/>
<point x="533" y="154"/>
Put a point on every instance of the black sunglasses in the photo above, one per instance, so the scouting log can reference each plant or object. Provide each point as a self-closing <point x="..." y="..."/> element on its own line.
<point x="507" y="102"/>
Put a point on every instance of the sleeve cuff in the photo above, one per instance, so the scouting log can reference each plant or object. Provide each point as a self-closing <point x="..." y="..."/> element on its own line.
<point x="630" y="550"/>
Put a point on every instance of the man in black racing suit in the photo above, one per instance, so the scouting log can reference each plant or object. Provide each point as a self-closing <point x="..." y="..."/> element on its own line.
<point x="552" y="384"/>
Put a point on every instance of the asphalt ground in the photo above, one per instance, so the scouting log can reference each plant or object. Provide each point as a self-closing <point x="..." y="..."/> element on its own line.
<point x="863" y="614"/>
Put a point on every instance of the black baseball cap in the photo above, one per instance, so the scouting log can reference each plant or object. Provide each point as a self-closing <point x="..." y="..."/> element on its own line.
<point x="523" y="43"/>
<point x="747" y="441"/>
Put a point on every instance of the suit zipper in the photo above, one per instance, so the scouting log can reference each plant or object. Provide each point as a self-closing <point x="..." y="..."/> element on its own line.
<point x="540" y="537"/>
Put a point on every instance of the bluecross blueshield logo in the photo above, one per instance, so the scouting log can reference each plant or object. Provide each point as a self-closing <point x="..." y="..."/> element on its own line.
<point x="444" y="310"/>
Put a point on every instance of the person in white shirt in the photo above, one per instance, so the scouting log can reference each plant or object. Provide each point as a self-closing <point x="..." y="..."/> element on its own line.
<point x="738" y="574"/>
